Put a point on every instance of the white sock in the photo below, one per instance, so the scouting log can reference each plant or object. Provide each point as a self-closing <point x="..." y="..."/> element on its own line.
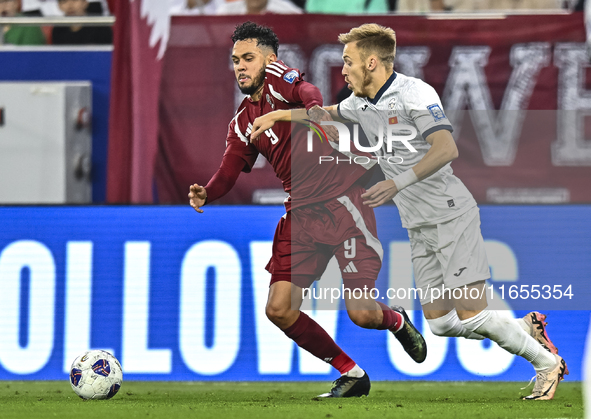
<point x="451" y="326"/>
<point x="523" y="325"/>
<point x="509" y="335"/>
<point x="355" y="372"/>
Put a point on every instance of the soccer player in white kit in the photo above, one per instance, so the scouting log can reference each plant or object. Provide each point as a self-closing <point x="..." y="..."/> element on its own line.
<point x="439" y="212"/>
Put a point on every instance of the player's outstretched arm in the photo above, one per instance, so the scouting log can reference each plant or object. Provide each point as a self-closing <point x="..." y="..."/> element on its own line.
<point x="264" y="122"/>
<point x="316" y="114"/>
<point x="334" y="113"/>
<point x="197" y="197"/>
<point x="443" y="150"/>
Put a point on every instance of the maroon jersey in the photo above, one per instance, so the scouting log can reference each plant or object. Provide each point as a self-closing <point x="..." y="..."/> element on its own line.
<point x="304" y="177"/>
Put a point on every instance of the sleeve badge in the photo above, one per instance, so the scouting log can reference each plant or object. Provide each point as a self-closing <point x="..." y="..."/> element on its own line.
<point x="436" y="112"/>
<point x="290" y="76"/>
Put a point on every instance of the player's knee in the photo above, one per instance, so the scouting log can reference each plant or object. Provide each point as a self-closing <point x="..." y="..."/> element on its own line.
<point x="447" y="325"/>
<point x="278" y="315"/>
<point x="475" y="323"/>
<point x="442" y="327"/>
<point x="274" y="313"/>
<point x="367" y="319"/>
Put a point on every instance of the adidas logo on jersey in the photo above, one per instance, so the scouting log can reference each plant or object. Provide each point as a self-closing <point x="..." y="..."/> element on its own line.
<point x="350" y="268"/>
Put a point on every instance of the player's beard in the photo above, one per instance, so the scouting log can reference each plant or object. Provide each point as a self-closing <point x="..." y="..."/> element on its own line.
<point x="256" y="84"/>
<point x="365" y="81"/>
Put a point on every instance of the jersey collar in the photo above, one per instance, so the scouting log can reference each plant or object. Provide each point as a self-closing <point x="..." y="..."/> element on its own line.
<point x="383" y="89"/>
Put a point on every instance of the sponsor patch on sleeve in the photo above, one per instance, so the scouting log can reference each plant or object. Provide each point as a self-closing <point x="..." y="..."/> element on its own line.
<point x="436" y="112"/>
<point x="290" y="76"/>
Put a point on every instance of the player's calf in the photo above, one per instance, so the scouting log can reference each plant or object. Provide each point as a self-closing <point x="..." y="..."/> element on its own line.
<point x="368" y="319"/>
<point x="367" y="313"/>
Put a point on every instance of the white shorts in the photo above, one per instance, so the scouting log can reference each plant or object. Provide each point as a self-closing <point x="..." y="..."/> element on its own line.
<point x="450" y="253"/>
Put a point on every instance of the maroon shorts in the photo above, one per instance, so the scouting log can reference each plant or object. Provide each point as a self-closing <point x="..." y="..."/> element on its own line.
<point x="307" y="238"/>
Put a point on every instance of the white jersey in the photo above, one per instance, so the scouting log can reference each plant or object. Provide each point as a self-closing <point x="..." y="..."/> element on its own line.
<point x="406" y="100"/>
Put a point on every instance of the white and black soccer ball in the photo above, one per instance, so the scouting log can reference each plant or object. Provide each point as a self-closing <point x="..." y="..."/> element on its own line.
<point x="96" y="375"/>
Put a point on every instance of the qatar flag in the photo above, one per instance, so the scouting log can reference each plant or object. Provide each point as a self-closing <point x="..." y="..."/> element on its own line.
<point x="141" y="34"/>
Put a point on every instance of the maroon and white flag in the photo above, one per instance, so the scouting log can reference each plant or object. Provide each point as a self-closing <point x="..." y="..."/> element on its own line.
<point x="140" y="36"/>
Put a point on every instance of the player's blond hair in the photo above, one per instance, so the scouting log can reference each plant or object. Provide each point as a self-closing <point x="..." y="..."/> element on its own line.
<point x="375" y="39"/>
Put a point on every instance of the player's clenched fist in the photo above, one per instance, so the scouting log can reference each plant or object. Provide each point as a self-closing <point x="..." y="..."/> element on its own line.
<point x="197" y="197"/>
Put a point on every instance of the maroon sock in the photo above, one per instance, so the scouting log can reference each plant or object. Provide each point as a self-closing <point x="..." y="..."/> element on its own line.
<point x="309" y="335"/>
<point x="343" y="363"/>
<point x="392" y="320"/>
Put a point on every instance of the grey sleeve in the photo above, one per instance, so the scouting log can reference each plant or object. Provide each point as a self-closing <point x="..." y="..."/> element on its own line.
<point x="426" y="110"/>
<point x="347" y="109"/>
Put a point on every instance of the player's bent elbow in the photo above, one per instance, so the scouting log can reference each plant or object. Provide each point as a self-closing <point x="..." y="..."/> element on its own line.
<point x="451" y="149"/>
<point x="444" y="145"/>
<point x="454" y="154"/>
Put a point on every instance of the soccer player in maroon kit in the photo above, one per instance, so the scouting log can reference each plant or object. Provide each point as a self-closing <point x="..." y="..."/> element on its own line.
<point x="325" y="216"/>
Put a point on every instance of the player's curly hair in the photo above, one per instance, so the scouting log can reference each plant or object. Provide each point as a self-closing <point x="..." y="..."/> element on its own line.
<point x="263" y="34"/>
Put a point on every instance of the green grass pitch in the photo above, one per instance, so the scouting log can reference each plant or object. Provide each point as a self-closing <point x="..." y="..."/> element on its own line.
<point x="286" y="400"/>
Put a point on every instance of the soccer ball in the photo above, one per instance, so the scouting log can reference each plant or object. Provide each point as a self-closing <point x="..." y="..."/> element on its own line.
<point x="96" y="375"/>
